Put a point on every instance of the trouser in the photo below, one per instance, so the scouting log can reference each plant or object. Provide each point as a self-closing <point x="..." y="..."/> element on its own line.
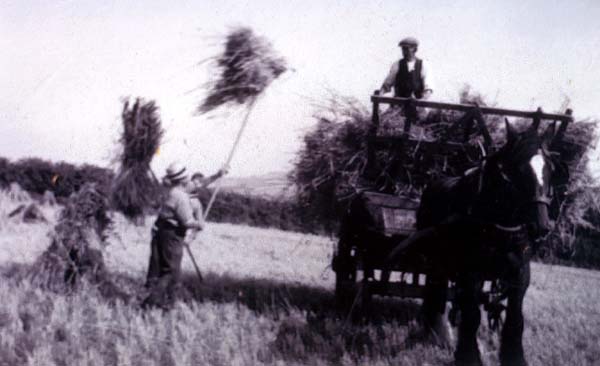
<point x="164" y="269"/>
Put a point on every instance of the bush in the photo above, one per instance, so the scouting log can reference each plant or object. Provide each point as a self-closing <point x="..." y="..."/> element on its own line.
<point x="237" y="208"/>
<point x="63" y="179"/>
<point x="36" y="176"/>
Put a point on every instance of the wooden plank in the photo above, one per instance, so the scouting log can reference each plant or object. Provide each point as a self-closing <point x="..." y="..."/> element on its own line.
<point x="390" y="200"/>
<point x="373" y="132"/>
<point x="483" y="129"/>
<point x="375" y="115"/>
<point x="563" y="126"/>
<point x="467" y="107"/>
<point x="446" y="147"/>
<point x="402" y="290"/>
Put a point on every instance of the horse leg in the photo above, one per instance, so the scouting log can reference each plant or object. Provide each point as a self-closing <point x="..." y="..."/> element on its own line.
<point x="433" y="310"/>
<point x="511" y="349"/>
<point x="467" y="352"/>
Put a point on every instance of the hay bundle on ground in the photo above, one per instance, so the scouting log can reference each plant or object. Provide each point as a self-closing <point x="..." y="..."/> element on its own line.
<point x="75" y="252"/>
<point x="246" y="68"/>
<point x="49" y="198"/>
<point x="33" y="213"/>
<point x="135" y="188"/>
<point x="16" y="193"/>
<point x="28" y="213"/>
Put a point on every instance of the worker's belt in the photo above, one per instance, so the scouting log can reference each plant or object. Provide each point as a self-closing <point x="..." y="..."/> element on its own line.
<point x="169" y="224"/>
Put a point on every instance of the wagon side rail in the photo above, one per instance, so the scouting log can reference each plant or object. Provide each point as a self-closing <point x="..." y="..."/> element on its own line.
<point x="376" y="99"/>
<point x="473" y="116"/>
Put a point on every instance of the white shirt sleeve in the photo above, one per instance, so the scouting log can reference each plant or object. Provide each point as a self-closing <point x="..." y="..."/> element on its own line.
<point x="197" y="210"/>
<point x="182" y="206"/>
<point x="389" y="81"/>
<point x="426" y="76"/>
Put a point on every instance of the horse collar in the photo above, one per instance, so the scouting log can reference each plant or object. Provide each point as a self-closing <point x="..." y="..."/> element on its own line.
<point x="480" y="171"/>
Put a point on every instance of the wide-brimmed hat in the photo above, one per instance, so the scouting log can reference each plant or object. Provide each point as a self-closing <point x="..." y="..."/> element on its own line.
<point x="175" y="173"/>
<point x="409" y="42"/>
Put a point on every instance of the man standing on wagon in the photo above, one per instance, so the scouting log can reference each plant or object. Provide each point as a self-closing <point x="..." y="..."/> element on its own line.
<point x="408" y="76"/>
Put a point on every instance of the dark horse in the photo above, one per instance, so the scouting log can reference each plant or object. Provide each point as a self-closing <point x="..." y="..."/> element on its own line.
<point x="482" y="226"/>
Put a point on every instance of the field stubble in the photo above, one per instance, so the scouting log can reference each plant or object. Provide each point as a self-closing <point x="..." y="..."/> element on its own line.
<point x="266" y="299"/>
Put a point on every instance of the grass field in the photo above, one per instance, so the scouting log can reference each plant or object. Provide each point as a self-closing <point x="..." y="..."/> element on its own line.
<point x="271" y="185"/>
<point x="267" y="299"/>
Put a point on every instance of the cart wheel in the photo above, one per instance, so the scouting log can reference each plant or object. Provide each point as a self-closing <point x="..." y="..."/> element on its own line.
<point x="344" y="265"/>
<point x="353" y="297"/>
<point x="345" y="290"/>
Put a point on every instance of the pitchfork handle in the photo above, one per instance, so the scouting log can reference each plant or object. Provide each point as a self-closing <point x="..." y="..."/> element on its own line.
<point x="189" y="251"/>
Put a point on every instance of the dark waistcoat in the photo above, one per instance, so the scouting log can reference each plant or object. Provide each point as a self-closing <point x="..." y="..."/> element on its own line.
<point x="407" y="82"/>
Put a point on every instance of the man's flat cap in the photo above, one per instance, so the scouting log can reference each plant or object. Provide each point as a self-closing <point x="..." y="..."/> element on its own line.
<point x="409" y="41"/>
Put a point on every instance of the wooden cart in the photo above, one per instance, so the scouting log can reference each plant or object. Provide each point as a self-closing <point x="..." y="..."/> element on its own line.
<point x="376" y="222"/>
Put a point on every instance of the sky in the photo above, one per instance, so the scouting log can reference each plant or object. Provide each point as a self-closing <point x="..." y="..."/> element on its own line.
<point x="66" y="67"/>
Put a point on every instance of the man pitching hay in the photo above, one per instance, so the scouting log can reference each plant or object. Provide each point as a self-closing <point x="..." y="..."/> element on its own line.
<point x="199" y="181"/>
<point x="246" y="68"/>
<point x="197" y="184"/>
<point x="175" y="217"/>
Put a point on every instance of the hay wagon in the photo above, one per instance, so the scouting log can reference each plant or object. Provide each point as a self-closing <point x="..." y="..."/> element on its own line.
<point x="376" y="221"/>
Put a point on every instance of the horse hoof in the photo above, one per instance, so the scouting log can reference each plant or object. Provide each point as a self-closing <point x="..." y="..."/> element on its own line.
<point x="467" y="358"/>
<point x="515" y="358"/>
<point x="472" y="362"/>
<point x="462" y="363"/>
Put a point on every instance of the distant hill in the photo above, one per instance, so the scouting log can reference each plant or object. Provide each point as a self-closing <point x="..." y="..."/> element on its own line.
<point x="269" y="185"/>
